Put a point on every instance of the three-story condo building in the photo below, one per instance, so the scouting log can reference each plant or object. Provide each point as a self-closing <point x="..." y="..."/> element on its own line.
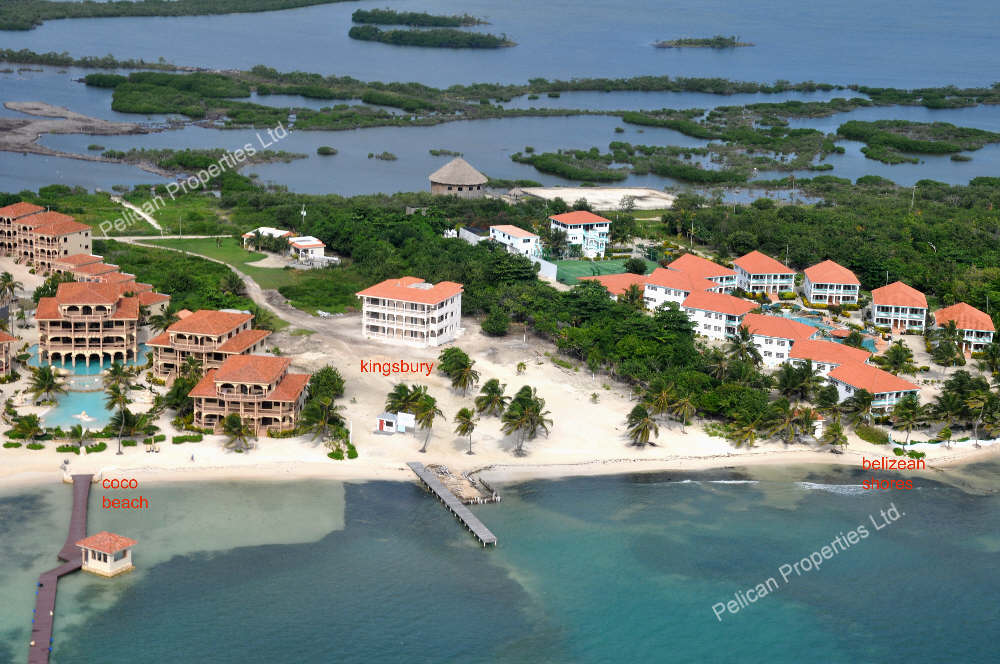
<point x="825" y="355"/>
<point x="975" y="328"/>
<point x="585" y="229"/>
<point x="209" y="336"/>
<point x="759" y="273"/>
<point x="899" y="307"/>
<point x="517" y="240"/>
<point x="411" y="311"/>
<point x="886" y="388"/>
<point x="830" y="283"/>
<point x="258" y="388"/>
<point x="696" y="266"/>
<point x="774" y="336"/>
<point x="716" y="315"/>
<point x="37" y="237"/>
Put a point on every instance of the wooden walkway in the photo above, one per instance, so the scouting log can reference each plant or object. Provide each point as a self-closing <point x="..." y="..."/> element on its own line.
<point x="461" y="512"/>
<point x="45" y="600"/>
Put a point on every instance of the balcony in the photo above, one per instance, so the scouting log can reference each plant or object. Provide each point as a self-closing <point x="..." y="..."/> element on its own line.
<point x="194" y="347"/>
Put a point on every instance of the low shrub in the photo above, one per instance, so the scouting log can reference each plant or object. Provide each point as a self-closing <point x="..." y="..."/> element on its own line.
<point x="68" y="449"/>
<point x="871" y="434"/>
<point x="352" y="452"/>
<point x="159" y="438"/>
<point x="98" y="447"/>
<point x="35" y="446"/>
<point x="10" y="445"/>
<point x="193" y="438"/>
<point x="336" y="454"/>
<point x="129" y="443"/>
<point x="913" y="454"/>
<point x="787" y="295"/>
<point x="326" y="151"/>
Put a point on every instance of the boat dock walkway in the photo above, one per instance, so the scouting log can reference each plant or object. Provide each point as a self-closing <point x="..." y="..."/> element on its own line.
<point x="461" y="512"/>
<point x="45" y="600"/>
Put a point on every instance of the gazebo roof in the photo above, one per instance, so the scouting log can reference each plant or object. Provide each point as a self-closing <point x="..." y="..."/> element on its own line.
<point x="457" y="171"/>
<point x="106" y="542"/>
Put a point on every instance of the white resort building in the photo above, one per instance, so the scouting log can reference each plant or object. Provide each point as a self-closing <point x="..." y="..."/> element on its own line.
<point x="825" y="355"/>
<point x="411" y="311"/>
<point x="759" y="273"/>
<point x="585" y="229"/>
<point x="974" y="326"/>
<point x="830" y="283"/>
<point x="249" y="238"/>
<point x="306" y="248"/>
<point x="886" y="388"/>
<point x="106" y="554"/>
<point x="716" y="315"/>
<point x="696" y="266"/>
<point x="517" y="240"/>
<point x="774" y="336"/>
<point x="659" y="287"/>
<point x="458" y="178"/>
<point x="899" y="307"/>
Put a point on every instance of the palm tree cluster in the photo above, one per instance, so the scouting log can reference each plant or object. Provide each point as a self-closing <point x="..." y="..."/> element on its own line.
<point x="454" y="363"/>
<point x="415" y="400"/>
<point x="897" y="359"/>
<point x="526" y="417"/>
<point x="946" y="345"/>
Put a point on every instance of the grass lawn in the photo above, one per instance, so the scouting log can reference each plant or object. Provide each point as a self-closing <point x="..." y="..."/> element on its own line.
<point x="233" y="253"/>
<point x="571" y="270"/>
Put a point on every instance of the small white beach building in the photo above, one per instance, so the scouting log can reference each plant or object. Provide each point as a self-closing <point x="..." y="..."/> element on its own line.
<point x="107" y="554"/>
<point x="390" y="423"/>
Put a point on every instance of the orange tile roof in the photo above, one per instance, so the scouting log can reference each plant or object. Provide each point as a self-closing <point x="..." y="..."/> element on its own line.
<point x="19" y="210"/>
<point x="122" y="278"/>
<point x="106" y="542"/>
<point x="898" y="294"/>
<point x="966" y="317"/>
<point x="147" y="298"/>
<point x="242" y="341"/>
<point x="579" y="217"/>
<point x="128" y="309"/>
<point x="209" y="321"/>
<point x="829" y="272"/>
<point x="61" y="227"/>
<point x="408" y="290"/>
<point x="679" y="280"/>
<point x="840" y="334"/>
<point x="183" y="313"/>
<point x="697" y="266"/>
<point x="778" y="327"/>
<point x="47" y="309"/>
<point x="77" y="259"/>
<point x="86" y="292"/>
<point x="758" y="263"/>
<point x="719" y="303"/>
<point x="205" y="386"/>
<point x="43" y="218"/>
<point x="866" y="377"/>
<point x="161" y="339"/>
<point x="513" y="231"/>
<point x="93" y="269"/>
<point x="617" y="284"/>
<point x="251" y="369"/>
<point x="290" y="388"/>
<point x="6" y="338"/>
<point x="829" y="352"/>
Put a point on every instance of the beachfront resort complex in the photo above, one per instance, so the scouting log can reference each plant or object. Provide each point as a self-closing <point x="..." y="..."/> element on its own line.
<point x="411" y="311"/>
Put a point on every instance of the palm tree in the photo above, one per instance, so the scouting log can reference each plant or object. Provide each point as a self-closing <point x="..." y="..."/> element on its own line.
<point x="745" y="432"/>
<point x="78" y="434"/>
<point x="29" y="427"/>
<point x="232" y="284"/>
<point x="319" y="414"/>
<point x="741" y="347"/>
<point x="191" y="368"/>
<point x="45" y="382"/>
<point x="465" y="378"/>
<point x="977" y="403"/>
<point x="807" y="420"/>
<point x="908" y="413"/>
<point x="947" y="339"/>
<point x="118" y="374"/>
<point x="397" y="399"/>
<point x="855" y="339"/>
<point x="789" y="381"/>
<point x="466" y="420"/>
<point x="426" y="412"/>
<point x="525" y="417"/>
<point x="160" y="322"/>
<point x="660" y="398"/>
<point x="633" y="297"/>
<point x="683" y="408"/>
<point x="521" y="368"/>
<point x="116" y="398"/>
<point x="858" y="406"/>
<point x="834" y="434"/>
<point x="8" y="291"/>
<point x="949" y="407"/>
<point x="492" y="400"/>
<point x="717" y="364"/>
<point x="239" y="432"/>
<point x="897" y="359"/>
<point x="783" y="422"/>
<point x="991" y="358"/>
<point x="642" y="427"/>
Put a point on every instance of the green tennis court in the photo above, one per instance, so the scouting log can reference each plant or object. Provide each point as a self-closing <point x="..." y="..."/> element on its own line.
<point x="571" y="270"/>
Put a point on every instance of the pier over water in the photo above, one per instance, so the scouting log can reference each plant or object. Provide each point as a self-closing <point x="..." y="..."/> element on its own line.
<point x="448" y="499"/>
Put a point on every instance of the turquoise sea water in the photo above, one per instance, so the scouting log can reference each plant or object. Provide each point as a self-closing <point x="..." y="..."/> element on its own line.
<point x="607" y="569"/>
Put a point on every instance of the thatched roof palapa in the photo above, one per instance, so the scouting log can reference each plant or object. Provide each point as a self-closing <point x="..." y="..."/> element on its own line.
<point x="457" y="171"/>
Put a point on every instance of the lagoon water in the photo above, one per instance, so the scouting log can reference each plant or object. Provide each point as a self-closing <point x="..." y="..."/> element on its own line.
<point x="622" y="568"/>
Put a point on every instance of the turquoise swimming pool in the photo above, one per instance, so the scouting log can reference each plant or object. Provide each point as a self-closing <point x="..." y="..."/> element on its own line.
<point x="868" y="343"/>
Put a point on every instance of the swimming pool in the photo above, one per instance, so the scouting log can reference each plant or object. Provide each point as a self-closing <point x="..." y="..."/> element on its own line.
<point x="868" y="342"/>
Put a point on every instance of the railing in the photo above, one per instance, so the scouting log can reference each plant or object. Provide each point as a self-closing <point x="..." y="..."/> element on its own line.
<point x="201" y="348"/>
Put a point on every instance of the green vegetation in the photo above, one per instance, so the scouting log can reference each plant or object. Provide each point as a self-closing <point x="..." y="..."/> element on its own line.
<point x="718" y="41"/>
<point x="28" y="14"/>
<point x="416" y="19"/>
<point x="433" y="38"/>
<point x="186" y="161"/>
<point x="887" y="139"/>
<point x="191" y="438"/>
<point x="573" y="165"/>
<point x="441" y="152"/>
<point x="326" y="151"/>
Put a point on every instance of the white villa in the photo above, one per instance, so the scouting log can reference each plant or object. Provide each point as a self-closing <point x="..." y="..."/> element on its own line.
<point x="825" y="355"/>
<point x="411" y="311"/>
<point x="975" y="327"/>
<point x="265" y="231"/>
<point x="306" y="247"/>
<point x="830" y="283"/>
<point x="774" y="336"/>
<point x="886" y="388"/>
<point x="716" y="315"/>
<point x="758" y="273"/>
<point x="899" y="307"/>
<point x="517" y="240"/>
<point x="696" y="266"/>
<point x="106" y="554"/>
<point x="585" y="229"/>
<point x="665" y="285"/>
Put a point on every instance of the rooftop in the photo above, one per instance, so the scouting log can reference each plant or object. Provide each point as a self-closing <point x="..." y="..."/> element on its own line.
<point x="106" y="542"/>
<point x="966" y="317"/>
<point x="19" y="210"/>
<point x="306" y="242"/>
<point x="683" y="281"/>
<point x="828" y="352"/>
<point x="209" y="321"/>
<point x="617" y="284"/>
<point x="269" y="231"/>
<point x="93" y="269"/>
<point x="866" y="377"/>
<point x="44" y="218"/>
<point x="829" y="272"/>
<point x="413" y="289"/>
<point x="898" y="294"/>
<point x="6" y="338"/>
<point x="602" y="198"/>
<point x="758" y="263"/>
<point x="290" y="387"/>
<point x="60" y="226"/>
<point x="579" y="217"/>
<point x="251" y="369"/>
<point x="513" y="231"/>
<point x="718" y="302"/>
<point x="242" y="341"/>
<point x="77" y="259"/>
<point x="777" y="327"/>
<point x="87" y="292"/>
<point x="457" y="171"/>
<point x="697" y="266"/>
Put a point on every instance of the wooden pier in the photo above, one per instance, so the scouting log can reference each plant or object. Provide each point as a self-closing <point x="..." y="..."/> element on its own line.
<point x="454" y="505"/>
<point x="45" y="600"/>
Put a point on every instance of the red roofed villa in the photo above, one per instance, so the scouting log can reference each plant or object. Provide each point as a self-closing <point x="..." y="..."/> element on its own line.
<point x="209" y="336"/>
<point x="411" y="311"/>
<point x="974" y="326"/>
<point x="886" y="388"/>
<point x="759" y="273"/>
<point x="826" y="355"/>
<point x="830" y="283"/>
<point x="774" y="336"/>
<point x="696" y="266"/>
<point x="661" y="286"/>
<point x="716" y="315"/>
<point x="585" y="229"/>
<point x="106" y="554"/>
<point x="899" y="307"/>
